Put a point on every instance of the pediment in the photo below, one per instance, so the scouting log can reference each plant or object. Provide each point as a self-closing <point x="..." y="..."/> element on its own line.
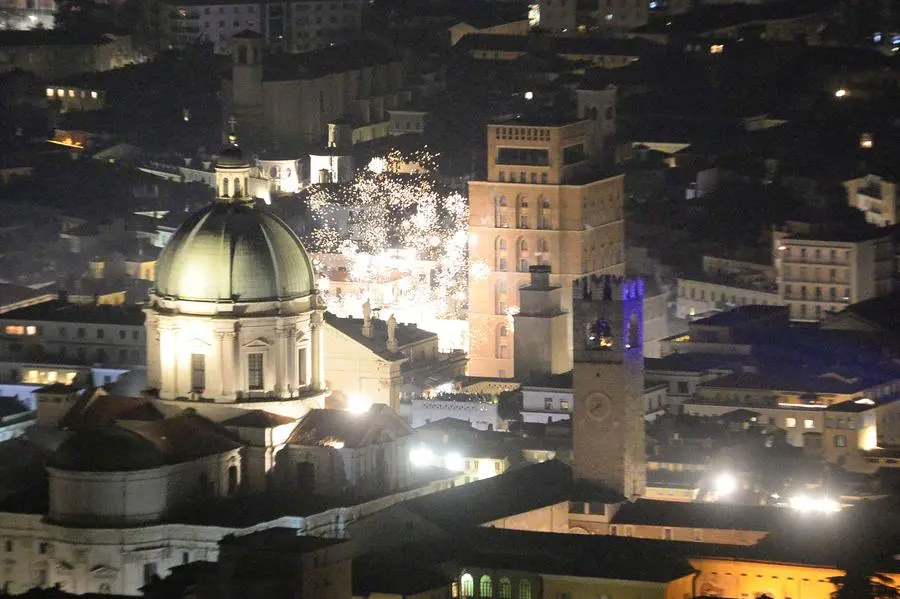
<point x="259" y="342"/>
<point x="103" y="571"/>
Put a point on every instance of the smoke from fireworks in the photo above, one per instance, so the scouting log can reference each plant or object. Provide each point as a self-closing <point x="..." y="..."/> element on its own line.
<point x="395" y="232"/>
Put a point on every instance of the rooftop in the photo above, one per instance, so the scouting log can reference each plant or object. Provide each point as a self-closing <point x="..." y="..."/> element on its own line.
<point x="51" y="37"/>
<point x="323" y="427"/>
<point x="740" y="315"/>
<point x="332" y="59"/>
<point x="702" y="515"/>
<point x="60" y="311"/>
<point x="352" y="327"/>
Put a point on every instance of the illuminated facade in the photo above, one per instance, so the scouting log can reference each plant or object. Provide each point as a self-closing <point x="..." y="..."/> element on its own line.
<point x="821" y="273"/>
<point x="539" y="205"/>
<point x="237" y="322"/>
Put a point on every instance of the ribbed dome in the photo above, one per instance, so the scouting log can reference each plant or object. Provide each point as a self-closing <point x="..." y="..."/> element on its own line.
<point x="110" y="449"/>
<point x="231" y="157"/>
<point x="232" y="251"/>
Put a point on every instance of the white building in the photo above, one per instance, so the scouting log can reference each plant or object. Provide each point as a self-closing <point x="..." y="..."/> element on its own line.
<point x="479" y="411"/>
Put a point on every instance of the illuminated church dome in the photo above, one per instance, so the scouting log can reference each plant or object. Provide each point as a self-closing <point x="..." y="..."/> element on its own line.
<point x="234" y="315"/>
<point x="231" y="251"/>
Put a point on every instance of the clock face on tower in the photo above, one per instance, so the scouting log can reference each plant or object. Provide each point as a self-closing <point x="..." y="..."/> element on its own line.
<point x="598" y="406"/>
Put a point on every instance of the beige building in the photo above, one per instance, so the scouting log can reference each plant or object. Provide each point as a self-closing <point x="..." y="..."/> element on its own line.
<point x="824" y="272"/>
<point x="53" y="54"/>
<point x="540" y="204"/>
<point x="370" y="361"/>
<point x="293" y="98"/>
<point x="876" y="196"/>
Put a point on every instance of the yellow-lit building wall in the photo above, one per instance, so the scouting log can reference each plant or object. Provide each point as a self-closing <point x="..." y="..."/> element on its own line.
<point x="593" y="588"/>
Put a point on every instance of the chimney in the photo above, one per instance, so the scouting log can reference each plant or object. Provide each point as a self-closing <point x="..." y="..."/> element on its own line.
<point x="540" y="276"/>
<point x="367" y="320"/>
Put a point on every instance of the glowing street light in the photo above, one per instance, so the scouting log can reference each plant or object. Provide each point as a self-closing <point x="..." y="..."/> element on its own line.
<point x="841" y="93"/>
<point x="454" y="462"/>
<point x="814" y="505"/>
<point x="421" y="457"/>
<point x="725" y="484"/>
<point x="358" y="404"/>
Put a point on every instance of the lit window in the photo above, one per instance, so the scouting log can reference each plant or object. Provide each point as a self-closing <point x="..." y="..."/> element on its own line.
<point x="809" y="424"/>
<point x="49" y="92"/>
<point x="790" y="422"/>
<point x="840" y="441"/>
<point x="564" y="404"/>
<point x="31" y="330"/>
<point x="467" y="585"/>
<point x="94" y="95"/>
<point x="60" y="92"/>
<point x="525" y="589"/>
<point x="71" y="93"/>
<point x="15" y="329"/>
<point x="505" y="588"/>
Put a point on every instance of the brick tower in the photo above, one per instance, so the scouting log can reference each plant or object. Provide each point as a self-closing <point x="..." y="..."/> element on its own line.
<point x="608" y="420"/>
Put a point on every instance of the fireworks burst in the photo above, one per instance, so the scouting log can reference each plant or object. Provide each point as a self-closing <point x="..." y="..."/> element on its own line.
<point x="392" y="238"/>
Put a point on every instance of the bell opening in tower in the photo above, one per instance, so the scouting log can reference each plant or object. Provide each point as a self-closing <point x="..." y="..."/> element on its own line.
<point x="599" y="336"/>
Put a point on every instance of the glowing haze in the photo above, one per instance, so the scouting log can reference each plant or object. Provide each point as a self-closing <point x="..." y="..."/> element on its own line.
<point x="392" y="238"/>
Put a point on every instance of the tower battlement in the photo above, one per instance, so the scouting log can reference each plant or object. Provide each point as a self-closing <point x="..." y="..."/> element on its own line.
<point x="607" y="318"/>
<point x="608" y="288"/>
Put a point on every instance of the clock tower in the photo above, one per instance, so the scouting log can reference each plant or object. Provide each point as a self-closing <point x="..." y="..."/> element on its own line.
<point x="608" y="418"/>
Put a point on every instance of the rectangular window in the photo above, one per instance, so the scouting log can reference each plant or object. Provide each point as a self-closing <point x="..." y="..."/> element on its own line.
<point x="667" y="534"/>
<point x="613" y="530"/>
<point x="548" y="404"/>
<point x="198" y="372"/>
<point x="790" y="422"/>
<point x="302" y="368"/>
<point x="809" y="424"/>
<point x="255" y="371"/>
<point x="149" y="572"/>
<point x="682" y="387"/>
<point x="564" y="404"/>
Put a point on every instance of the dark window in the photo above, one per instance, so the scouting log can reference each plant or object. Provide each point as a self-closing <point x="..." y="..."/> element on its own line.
<point x="574" y="154"/>
<point x="149" y="572"/>
<point x="255" y="371"/>
<point x="302" y="369"/>
<point x="682" y="387"/>
<point x="198" y="372"/>
<point x="232" y="480"/>
<point x="523" y="156"/>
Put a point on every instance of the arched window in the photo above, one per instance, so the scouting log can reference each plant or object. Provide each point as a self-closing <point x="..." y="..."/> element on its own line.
<point x="242" y="55"/>
<point x="225" y="188"/>
<point x="523" y="245"/>
<point x="273" y="173"/>
<point x="485" y="587"/>
<point x="237" y="187"/>
<point x="466" y="585"/>
<point x="505" y="588"/>
<point x="500" y="216"/>
<point x="501" y="297"/>
<point x="502" y="341"/>
<point x="522" y="256"/>
<point x="525" y="589"/>
<point x="500" y="258"/>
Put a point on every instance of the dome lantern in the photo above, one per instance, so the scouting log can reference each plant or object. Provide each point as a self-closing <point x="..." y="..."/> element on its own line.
<point x="232" y="174"/>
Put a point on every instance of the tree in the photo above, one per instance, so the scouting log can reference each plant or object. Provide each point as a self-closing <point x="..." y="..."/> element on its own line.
<point x="510" y="405"/>
<point x="861" y="582"/>
<point x="85" y="16"/>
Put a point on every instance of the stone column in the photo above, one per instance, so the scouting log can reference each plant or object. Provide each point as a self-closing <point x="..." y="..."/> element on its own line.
<point x="168" y="361"/>
<point x="316" y="348"/>
<point x="229" y="365"/>
<point x="281" y="341"/>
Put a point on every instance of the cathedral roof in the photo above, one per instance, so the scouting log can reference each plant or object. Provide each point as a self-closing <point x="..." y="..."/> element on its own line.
<point x="353" y="430"/>
<point x="107" y="449"/>
<point x="231" y="251"/>
<point x="99" y="409"/>
<point x="258" y="419"/>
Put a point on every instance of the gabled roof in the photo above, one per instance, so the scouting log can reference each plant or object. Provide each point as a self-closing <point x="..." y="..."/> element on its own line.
<point x="188" y="436"/>
<point x="881" y="313"/>
<point x="352" y="429"/>
<point x="96" y="408"/>
<point x="377" y="343"/>
<point x="516" y="491"/>
<point x="258" y="419"/>
<point x="702" y="515"/>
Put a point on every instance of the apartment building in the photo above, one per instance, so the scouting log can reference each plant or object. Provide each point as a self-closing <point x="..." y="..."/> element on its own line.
<point x="876" y="196"/>
<point x="822" y="272"/>
<point x="292" y="27"/>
